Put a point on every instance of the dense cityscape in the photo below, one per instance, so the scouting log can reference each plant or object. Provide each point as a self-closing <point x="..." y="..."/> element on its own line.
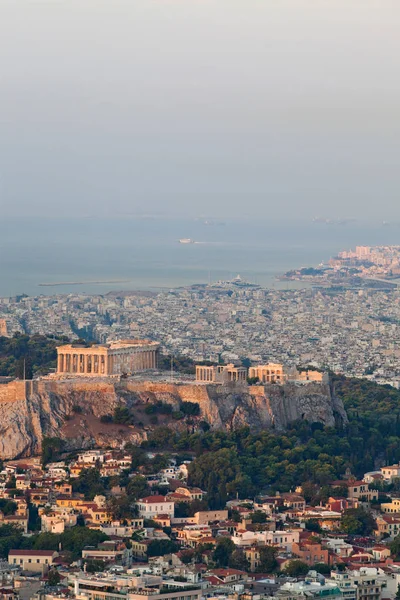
<point x="175" y="507"/>
<point x="354" y="332"/>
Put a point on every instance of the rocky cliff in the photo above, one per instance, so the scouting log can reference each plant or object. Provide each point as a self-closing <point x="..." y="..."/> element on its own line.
<point x="72" y="409"/>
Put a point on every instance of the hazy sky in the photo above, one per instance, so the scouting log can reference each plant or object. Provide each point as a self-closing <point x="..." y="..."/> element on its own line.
<point x="207" y="107"/>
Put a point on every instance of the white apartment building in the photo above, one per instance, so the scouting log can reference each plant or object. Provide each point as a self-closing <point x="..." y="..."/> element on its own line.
<point x="151" y="506"/>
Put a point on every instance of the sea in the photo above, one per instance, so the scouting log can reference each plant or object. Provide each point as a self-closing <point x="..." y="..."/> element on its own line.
<point x="130" y="252"/>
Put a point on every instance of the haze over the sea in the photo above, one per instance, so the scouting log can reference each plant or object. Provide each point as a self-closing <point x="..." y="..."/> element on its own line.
<point x="146" y="251"/>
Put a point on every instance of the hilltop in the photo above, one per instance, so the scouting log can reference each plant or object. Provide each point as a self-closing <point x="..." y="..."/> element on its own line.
<point x="87" y="413"/>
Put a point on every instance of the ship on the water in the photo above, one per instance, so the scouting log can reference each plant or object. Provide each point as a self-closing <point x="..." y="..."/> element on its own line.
<point x="186" y="241"/>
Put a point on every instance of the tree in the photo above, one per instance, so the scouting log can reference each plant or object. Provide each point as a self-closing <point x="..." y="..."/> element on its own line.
<point x="139" y="456"/>
<point x="313" y="525"/>
<point x="340" y="491"/>
<point x="357" y="521"/>
<point x="258" y="516"/>
<point x="51" y="446"/>
<point x="106" y="419"/>
<point x="122" y="416"/>
<point x="161" y="547"/>
<point x="7" y="507"/>
<point x="322" y="568"/>
<point x="11" y="484"/>
<point x="395" y="546"/>
<point x="182" y="509"/>
<point x="34" y="521"/>
<point x="75" y="539"/>
<point x="187" y="556"/>
<point x="10" y="538"/>
<point x="122" y="507"/>
<point x="137" y="487"/>
<point x="95" y="566"/>
<point x="296" y="568"/>
<point x="239" y="561"/>
<point x="53" y="577"/>
<point x="268" y="562"/>
<point x="397" y="596"/>
<point x="190" y="408"/>
<point x="223" y="552"/>
<point x="309" y="490"/>
<point x="89" y="483"/>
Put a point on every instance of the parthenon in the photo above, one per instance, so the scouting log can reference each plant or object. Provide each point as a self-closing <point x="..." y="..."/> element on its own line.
<point x="105" y="360"/>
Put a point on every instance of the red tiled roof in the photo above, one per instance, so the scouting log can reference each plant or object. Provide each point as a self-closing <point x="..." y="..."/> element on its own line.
<point x="153" y="499"/>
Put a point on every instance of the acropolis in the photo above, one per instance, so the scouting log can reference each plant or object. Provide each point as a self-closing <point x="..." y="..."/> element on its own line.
<point x="122" y="357"/>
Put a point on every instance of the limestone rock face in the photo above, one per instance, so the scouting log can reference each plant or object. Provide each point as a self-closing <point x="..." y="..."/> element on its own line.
<point x="32" y="410"/>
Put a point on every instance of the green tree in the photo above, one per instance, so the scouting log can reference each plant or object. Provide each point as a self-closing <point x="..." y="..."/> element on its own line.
<point x="223" y="552"/>
<point x="161" y="547"/>
<point x="322" y="568"/>
<point x="51" y="447"/>
<point x="268" y="562"/>
<point x="187" y="556"/>
<point x="34" y="521"/>
<point x="137" y="487"/>
<point x="357" y="521"/>
<point x="10" y="538"/>
<point x="90" y="483"/>
<point x="190" y="408"/>
<point x="313" y="525"/>
<point x="395" y="546"/>
<point x="296" y="568"/>
<point x="239" y="561"/>
<point x="8" y="507"/>
<point x="258" y="517"/>
<point x="122" y="416"/>
<point x="182" y="509"/>
<point x="11" y="483"/>
<point x="53" y="577"/>
<point x="122" y="508"/>
<point x="95" y="566"/>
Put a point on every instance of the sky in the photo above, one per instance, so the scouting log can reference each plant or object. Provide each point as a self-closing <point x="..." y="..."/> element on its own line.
<point x="263" y="108"/>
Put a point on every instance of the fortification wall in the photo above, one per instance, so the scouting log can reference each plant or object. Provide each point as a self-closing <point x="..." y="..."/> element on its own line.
<point x="13" y="391"/>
